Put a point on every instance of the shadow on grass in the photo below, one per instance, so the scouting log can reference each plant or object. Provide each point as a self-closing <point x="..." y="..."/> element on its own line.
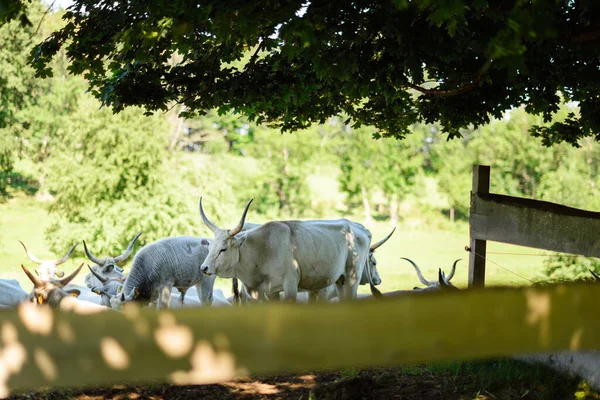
<point x="493" y="379"/>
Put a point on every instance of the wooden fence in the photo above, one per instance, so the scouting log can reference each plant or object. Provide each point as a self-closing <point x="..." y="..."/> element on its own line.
<point x="42" y="348"/>
<point x="525" y="222"/>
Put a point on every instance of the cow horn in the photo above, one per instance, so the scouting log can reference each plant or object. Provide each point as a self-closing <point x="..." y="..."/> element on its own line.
<point x="66" y="257"/>
<point x="100" y="278"/>
<point x="595" y="275"/>
<point x="240" y="225"/>
<point x="210" y="225"/>
<point x="92" y="257"/>
<point x="65" y="281"/>
<point x="123" y="257"/>
<point x="419" y="274"/>
<point x="376" y="245"/>
<point x="451" y="274"/>
<point x="37" y="282"/>
<point x="442" y="279"/>
<point x="30" y="254"/>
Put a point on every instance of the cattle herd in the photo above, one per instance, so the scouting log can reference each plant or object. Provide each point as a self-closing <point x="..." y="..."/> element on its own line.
<point x="303" y="261"/>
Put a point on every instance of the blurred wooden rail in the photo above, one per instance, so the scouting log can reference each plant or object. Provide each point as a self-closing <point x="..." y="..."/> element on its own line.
<point x="41" y="348"/>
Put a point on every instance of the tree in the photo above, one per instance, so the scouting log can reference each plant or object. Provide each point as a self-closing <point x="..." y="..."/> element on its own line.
<point x="118" y="182"/>
<point x="387" y="64"/>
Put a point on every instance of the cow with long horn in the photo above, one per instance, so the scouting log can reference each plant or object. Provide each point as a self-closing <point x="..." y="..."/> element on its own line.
<point x="443" y="281"/>
<point x="50" y="292"/>
<point x="287" y="256"/>
<point x="108" y="267"/>
<point x="48" y="269"/>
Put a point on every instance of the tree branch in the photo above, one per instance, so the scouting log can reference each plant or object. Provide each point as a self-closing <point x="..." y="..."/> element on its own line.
<point x="457" y="91"/>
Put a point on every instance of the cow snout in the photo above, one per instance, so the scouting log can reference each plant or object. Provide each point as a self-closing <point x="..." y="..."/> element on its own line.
<point x="205" y="270"/>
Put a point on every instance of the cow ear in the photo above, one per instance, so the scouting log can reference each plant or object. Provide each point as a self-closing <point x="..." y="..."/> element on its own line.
<point x="74" y="292"/>
<point x="239" y="241"/>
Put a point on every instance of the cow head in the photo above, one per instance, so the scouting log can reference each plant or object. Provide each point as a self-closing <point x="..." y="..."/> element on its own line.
<point x="443" y="281"/>
<point x="372" y="267"/>
<point x="595" y="275"/>
<point x="50" y="292"/>
<point x="108" y="287"/>
<point x="223" y="252"/>
<point x="109" y="267"/>
<point x="121" y="298"/>
<point x="48" y="269"/>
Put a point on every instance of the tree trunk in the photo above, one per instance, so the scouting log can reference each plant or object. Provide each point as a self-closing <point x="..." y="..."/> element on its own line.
<point x="176" y="127"/>
<point x="452" y="214"/>
<point x="366" y="205"/>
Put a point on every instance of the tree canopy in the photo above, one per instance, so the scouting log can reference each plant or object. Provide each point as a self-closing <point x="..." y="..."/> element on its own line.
<point x="387" y="64"/>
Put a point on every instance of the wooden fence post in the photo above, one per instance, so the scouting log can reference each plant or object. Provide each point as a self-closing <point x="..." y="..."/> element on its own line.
<point x="481" y="185"/>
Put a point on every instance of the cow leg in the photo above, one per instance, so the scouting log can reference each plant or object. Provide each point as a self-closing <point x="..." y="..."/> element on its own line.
<point x="346" y="289"/>
<point x="290" y="288"/>
<point x="205" y="289"/>
<point x="182" y="295"/>
<point x="164" y="297"/>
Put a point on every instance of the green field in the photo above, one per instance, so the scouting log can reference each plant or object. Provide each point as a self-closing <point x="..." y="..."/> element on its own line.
<point x="26" y="220"/>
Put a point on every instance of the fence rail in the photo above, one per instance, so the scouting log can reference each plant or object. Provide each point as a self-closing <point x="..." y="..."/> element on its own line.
<point x="525" y="222"/>
<point x="42" y="348"/>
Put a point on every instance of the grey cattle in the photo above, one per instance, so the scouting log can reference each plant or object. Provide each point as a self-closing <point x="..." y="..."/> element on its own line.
<point x="85" y="294"/>
<point x="108" y="267"/>
<point x="11" y="293"/>
<point x="50" y="292"/>
<point x="329" y="292"/>
<point x="443" y="281"/>
<point x="48" y="269"/>
<point x="162" y="265"/>
<point x="290" y="255"/>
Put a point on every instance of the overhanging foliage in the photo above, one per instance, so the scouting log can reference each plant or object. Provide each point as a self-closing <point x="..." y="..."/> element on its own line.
<point x="388" y="64"/>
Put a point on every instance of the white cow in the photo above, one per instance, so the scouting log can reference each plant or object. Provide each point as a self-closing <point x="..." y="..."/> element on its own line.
<point x="48" y="269"/>
<point x="290" y="255"/>
<point x="11" y="293"/>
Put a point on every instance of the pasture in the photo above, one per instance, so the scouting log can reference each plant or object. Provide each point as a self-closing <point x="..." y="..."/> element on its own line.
<point x="25" y="220"/>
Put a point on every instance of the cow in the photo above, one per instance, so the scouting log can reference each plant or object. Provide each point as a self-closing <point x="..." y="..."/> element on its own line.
<point x="443" y="281"/>
<point x="287" y="256"/>
<point x="108" y="267"/>
<point x="11" y="293"/>
<point x="162" y="265"/>
<point x="324" y="294"/>
<point x="50" y="292"/>
<point x="48" y="269"/>
<point x="595" y="275"/>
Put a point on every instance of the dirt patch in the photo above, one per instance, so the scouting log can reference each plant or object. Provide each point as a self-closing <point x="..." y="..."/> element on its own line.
<point x="488" y="380"/>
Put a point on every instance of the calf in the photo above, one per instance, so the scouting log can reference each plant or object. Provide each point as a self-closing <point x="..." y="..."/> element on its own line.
<point x="162" y="265"/>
